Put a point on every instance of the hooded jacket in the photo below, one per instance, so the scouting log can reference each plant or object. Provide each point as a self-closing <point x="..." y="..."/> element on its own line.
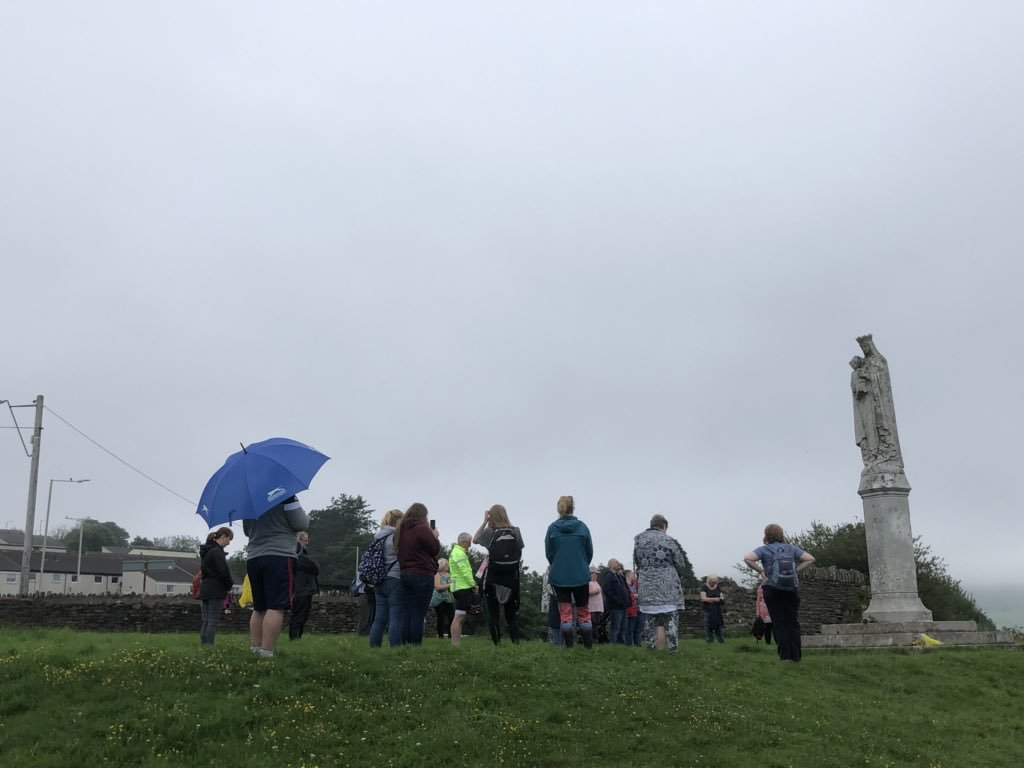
<point x="417" y="548"/>
<point x="217" y="581"/>
<point x="307" y="572"/>
<point x="569" y="549"/>
<point x="616" y="593"/>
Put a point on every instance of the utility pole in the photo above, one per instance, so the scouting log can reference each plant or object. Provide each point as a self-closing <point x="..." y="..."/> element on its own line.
<point x="81" y="531"/>
<point x="30" y="515"/>
<point x="46" y="529"/>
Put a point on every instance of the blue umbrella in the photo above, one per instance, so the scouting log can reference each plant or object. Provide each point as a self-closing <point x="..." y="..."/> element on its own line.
<point x="257" y="479"/>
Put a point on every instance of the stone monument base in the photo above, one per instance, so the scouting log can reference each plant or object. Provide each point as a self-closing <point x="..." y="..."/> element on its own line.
<point x="881" y="634"/>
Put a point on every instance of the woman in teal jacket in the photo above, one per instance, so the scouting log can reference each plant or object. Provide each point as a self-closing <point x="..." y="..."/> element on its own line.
<point x="569" y="549"/>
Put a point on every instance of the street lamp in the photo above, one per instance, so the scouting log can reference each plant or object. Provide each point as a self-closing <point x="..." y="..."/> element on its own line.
<point x="46" y="527"/>
<point x="81" y="530"/>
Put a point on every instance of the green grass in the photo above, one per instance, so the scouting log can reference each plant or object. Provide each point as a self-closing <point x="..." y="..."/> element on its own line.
<point x="90" y="700"/>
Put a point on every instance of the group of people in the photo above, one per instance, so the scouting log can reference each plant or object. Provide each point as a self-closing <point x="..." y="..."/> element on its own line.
<point x="414" y="578"/>
<point x="641" y="604"/>
<point x="632" y="607"/>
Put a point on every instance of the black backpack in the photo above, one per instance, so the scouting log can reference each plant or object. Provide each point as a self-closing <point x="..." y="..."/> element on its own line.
<point x="504" y="551"/>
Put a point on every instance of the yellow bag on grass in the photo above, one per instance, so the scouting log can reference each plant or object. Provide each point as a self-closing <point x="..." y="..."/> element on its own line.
<point x="245" y="601"/>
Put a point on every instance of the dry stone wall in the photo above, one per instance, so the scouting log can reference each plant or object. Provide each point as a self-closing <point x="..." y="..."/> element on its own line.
<point x="827" y="596"/>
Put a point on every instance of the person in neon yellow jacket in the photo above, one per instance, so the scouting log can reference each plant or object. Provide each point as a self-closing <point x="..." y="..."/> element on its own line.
<point x="463" y="583"/>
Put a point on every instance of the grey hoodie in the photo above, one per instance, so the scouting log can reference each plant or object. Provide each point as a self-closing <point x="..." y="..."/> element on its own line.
<point x="273" y="533"/>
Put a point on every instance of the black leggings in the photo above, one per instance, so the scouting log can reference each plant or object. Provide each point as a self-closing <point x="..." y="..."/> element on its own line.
<point x="784" y="608"/>
<point x="511" y="611"/>
<point x="300" y="614"/>
<point x="580" y="594"/>
<point x="444" y="612"/>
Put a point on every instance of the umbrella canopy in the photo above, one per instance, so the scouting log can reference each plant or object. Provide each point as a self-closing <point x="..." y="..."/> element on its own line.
<point x="258" y="478"/>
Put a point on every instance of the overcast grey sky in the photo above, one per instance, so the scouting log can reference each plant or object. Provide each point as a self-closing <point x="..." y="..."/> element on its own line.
<point x="483" y="254"/>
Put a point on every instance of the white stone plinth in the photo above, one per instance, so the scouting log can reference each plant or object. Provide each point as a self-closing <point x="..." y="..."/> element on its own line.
<point x="891" y="567"/>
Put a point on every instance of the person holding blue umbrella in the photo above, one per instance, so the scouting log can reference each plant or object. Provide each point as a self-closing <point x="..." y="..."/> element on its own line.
<point x="270" y="565"/>
<point x="257" y="485"/>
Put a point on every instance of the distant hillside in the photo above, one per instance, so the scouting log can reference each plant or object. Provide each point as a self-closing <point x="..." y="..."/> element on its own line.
<point x="1003" y="604"/>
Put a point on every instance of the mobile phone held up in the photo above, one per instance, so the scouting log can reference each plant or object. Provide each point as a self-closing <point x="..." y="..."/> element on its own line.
<point x="433" y="524"/>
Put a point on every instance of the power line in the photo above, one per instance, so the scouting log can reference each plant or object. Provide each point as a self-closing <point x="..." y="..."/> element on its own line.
<point x="23" y="446"/>
<point x="107" y="450"/>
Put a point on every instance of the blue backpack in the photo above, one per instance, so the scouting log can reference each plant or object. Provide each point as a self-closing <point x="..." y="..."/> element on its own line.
<point x="373" y="566"/>
<point x="782" y="574"/>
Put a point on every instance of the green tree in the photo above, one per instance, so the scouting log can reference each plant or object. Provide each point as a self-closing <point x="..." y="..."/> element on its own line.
<point x="336" y="532"/>
<point x="179" y="543"/>
<point x="842" y="546"/>
<point x="96" y="536"/>
<point x="236" y="564"/>
<point x="139" y="541"/>
<point x="688" y="579"/>
<point x="845" y="546"/>
<point x="532" y="623"/>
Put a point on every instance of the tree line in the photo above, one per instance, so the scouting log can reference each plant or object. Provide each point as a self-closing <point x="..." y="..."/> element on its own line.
<point x="845" y="546"/>
<point x="341" y="532"/>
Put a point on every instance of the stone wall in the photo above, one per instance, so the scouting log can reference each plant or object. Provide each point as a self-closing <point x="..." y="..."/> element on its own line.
<point x="827" y="596"/>
<point x="136" y="613"/>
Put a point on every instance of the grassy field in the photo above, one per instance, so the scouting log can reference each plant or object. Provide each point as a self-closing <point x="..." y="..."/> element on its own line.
<point x="160" y="700"/>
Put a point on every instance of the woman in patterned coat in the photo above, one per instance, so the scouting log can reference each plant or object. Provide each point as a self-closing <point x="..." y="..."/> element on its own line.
<point x="659" y="563"/>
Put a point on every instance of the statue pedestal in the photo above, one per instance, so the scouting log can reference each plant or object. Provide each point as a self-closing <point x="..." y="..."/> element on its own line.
<point x="906" y="634"/>
<point x="891" y="567"/>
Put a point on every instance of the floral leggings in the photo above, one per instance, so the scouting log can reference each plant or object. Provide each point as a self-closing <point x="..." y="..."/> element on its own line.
<point x="667" y="620"/>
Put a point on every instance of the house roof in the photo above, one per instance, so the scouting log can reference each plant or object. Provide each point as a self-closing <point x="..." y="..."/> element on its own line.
<point x="93" y="563"/>
<point x="170" y="570"/>
<point x="16" y="538"/>
<point x="8" y="563"/>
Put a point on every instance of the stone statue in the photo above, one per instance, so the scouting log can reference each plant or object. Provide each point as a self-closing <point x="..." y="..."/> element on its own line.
<point x="874" y="416"/>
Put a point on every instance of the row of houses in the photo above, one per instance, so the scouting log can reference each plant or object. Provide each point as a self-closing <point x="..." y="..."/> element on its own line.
<point x="128" y="570"/>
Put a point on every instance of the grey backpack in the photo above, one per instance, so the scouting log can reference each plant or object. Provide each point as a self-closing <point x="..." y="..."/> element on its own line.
<point x="782" y="574"/>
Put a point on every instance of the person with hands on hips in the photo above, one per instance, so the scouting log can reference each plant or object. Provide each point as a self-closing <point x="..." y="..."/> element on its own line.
<point x="783" y="602"/>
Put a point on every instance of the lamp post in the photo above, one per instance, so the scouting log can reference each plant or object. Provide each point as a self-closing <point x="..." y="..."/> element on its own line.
<point x="81" y="530"/>
<point x="46" y="527"/>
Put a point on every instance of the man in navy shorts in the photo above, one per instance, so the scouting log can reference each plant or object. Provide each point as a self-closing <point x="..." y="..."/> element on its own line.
<point x="270" y="565"/>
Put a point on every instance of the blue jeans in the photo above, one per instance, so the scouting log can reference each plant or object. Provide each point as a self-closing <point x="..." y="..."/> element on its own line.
<point x="635" y="629"/>
<point x="388" y="613"/>
<point x="554" y="623"/>
<point x="617" y="633"/>
<point x="416" y="590"/>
